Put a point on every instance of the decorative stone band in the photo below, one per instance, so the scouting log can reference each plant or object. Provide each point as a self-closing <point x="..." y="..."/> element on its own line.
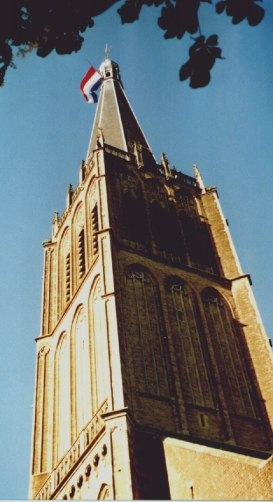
<point x="78" y="448"/>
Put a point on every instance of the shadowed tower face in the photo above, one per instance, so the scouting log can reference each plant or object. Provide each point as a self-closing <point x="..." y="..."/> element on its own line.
<point x="152" y="354"/>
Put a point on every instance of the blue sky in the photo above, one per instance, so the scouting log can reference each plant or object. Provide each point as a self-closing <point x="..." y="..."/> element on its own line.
<point x="225" y="128"/>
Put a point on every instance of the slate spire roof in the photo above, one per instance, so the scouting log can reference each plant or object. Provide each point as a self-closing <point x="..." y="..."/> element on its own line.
<point x="114" y="115"/>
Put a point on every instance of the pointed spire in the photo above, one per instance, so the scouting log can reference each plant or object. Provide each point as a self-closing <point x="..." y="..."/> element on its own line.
<point x="198" y="178"/>
<point x="69" y="195"/>
<point x="82" y="172"/>
<point x="55" y="222"/>
<point x="138" y="154"/>
<point x="114" y="115"/>
<point x="166" y="165"/>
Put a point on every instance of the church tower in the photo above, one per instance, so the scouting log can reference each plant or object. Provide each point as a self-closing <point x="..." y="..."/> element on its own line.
<point x="154" y="376"/>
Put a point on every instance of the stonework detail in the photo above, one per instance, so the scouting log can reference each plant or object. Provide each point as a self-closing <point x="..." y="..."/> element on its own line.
<point x="145" y="337"/>
<point x="188" y="345"/>
<point x="81" y="377"/>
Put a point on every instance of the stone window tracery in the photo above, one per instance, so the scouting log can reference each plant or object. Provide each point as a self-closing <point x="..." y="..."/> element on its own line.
<point x="196" y="233"/>
<point x="79" y="244"/>
<point x="157" y="193"/>
<point x="164" y="223"/>
<point x="82" y="371"/>
<point x="65" y="271"/>
<point x="230" y="362"/>
<point x="135" y="228"/>
<point x="94" y="230"/>
<point x="62" y="408"/>
<point x="128" y="183"/>
<point x="100" y="355"/>
<point x="191" y="361"/>
<point x="145" y="338"/>
<point x="40" y="461"/>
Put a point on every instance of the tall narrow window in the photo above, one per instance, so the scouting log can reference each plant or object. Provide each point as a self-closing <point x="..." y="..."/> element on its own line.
<point x="67" y="278"/>
<point x="134" y="220"/>
<point x="191" y="362"/>
<point x="41" y="434"/>
<point x="164" y="223"/>
<point x="62" y="409"/>
<point x="146" y="350"/>
<point x="196" y="233"/>
<point x="82" y="372"/>
<point x="64" y="271"/>
<point x="95" y="229"/>
<point x="78" y="239"/>
<point x="81" y="251"/>
<point x="100" y="357"/>
<point x="134" y="217"/>
<point x="230" y="362"/>
<point x="166" y="232"/>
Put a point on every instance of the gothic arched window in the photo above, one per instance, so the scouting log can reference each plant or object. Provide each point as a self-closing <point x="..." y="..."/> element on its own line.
<point x="164" y="223"/>
<point x="134" y="221"/>
<point x="40" y="457"/>
<point x="145" y="341"/>
<point x="135" y="226"/>
<point x="94" y="230"/>
<point x="79" y="244"/>
<point x="191" y="362"/>
<point x="65" y="272"/>
<point x="196" y="233"/>
<point x="229" y="358"/>
<point x="100" y="357"/>
<point x="81" y="371"/>
<point x="62" y="407"/>
<point x="50" y="292"/>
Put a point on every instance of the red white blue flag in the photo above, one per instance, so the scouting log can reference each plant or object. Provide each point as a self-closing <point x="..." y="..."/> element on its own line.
<point x="90" y="84"/>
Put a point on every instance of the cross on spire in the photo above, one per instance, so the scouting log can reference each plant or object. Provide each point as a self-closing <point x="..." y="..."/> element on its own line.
<point x="107" y="51"/>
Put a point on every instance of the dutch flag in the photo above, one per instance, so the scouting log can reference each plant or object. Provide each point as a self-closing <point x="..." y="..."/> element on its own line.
<point x="90" y="84"/>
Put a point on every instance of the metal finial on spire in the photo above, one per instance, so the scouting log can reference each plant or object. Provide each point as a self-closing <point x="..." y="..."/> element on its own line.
<point x="107" y="51"/>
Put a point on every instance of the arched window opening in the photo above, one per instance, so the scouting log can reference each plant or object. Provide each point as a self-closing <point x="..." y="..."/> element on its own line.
<point x="64" y="271"/>
<point x="104" y="492"/>
<point x="134" y="219"/>
<point x="95" y="229"/>
<point x="81" y="251"/>
<point x="156" y="192"/>
<point x="166" y="232"/>
<point x="128" y="183"/>
<point x="146" y="350"/>
<point x="82" y="372"/>
<point x="40" y="457"/>
<point x="100" y="358"/>
<point x="193" y="239"/>
<point x="229" y="359"/>
<point x="190" y="357"/>
<point x="62" y="409"/>
<point x="197" y="234"/>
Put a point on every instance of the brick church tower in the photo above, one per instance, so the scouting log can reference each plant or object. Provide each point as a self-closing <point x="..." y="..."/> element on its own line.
<point x="154" y="376"/>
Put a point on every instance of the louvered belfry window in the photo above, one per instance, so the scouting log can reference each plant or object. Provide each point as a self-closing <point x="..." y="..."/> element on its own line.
<point x="95" y="229"/>
<point x="67" y="278"/>
<point x="81" y="247"/>
<point x="225" y="337"/>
